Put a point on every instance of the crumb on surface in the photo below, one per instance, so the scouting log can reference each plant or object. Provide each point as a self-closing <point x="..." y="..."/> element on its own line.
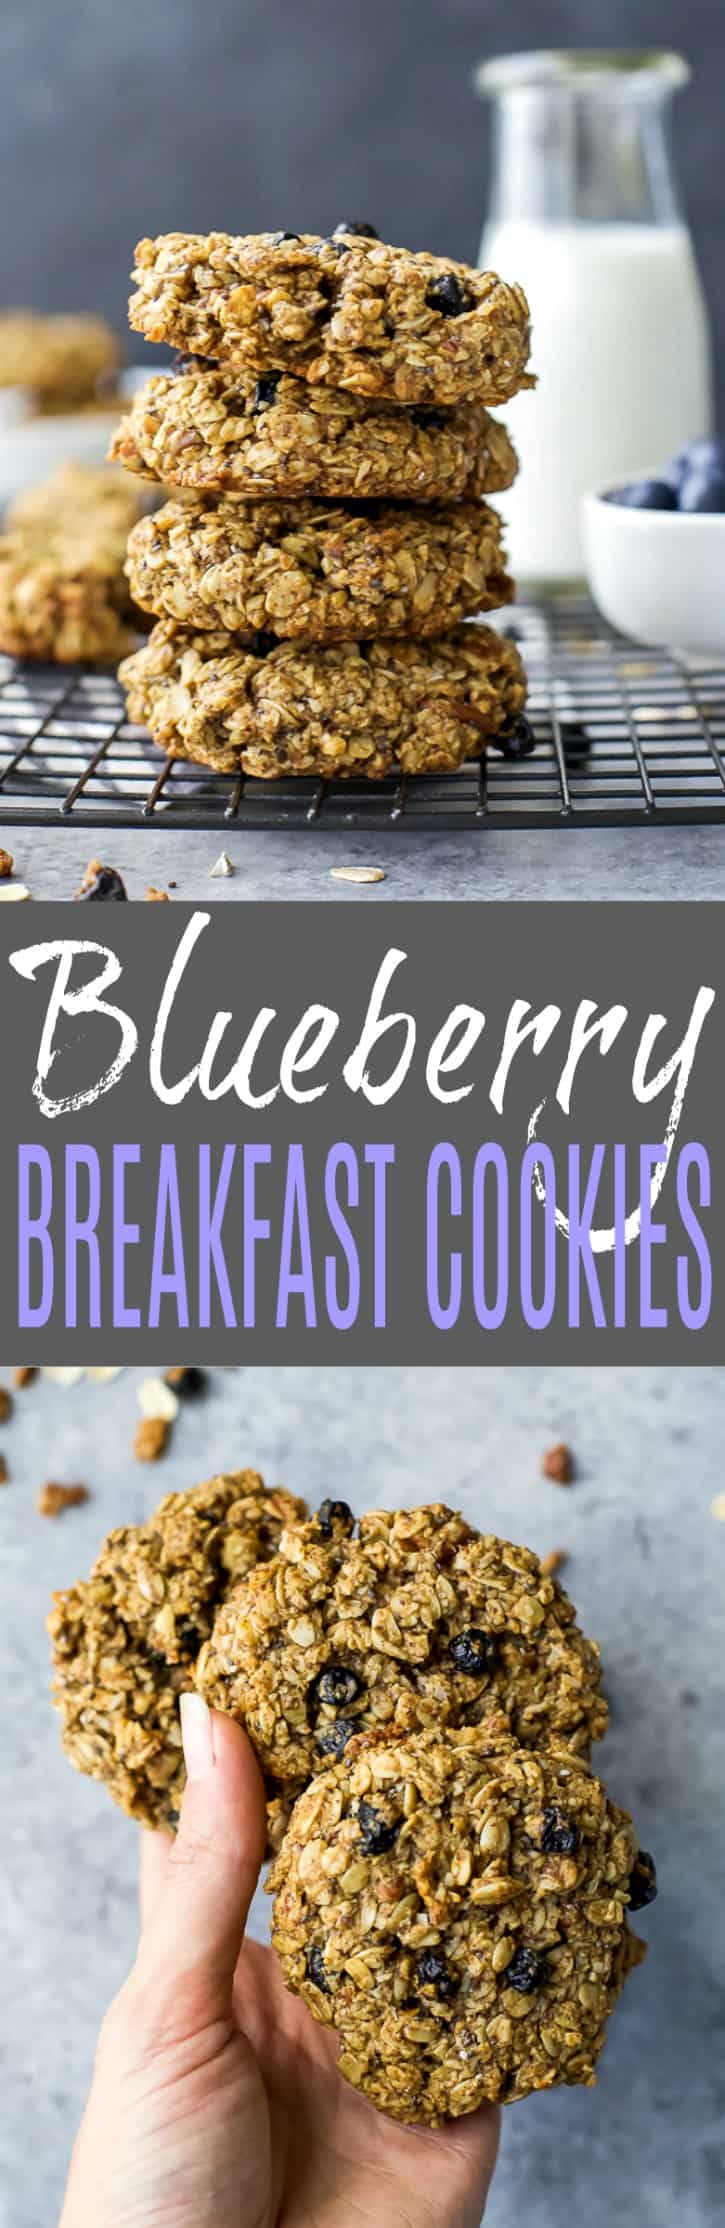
<point x="7" y="863"/>
<point x="150" y="1439"/>
<point x="6" y="1404"/>
<point x="557" y="1464"/>
<point x="53" y="1499"/>
<point x="156" y="897"/>
<point x="3" y="1470"/>
<point x="23" y="1377"/>
<point x="554" y="1561"/>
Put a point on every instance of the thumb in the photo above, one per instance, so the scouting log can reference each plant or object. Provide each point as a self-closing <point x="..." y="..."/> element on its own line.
<point x="193" y="1934"/>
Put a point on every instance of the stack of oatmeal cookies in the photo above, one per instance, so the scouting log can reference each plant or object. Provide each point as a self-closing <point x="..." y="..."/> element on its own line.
<point x="452" y="1882"/>
<point x="328" y="445"/>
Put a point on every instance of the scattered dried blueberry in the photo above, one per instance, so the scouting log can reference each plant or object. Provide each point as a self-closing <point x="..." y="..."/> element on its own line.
<point x="642" y="1881"/>
<point x="526" y="1971"/>
<point x="102" y="882"/>
<point x="377" y="1833"/>
<point x="334" y="1687"/>
<point x="432" y="421"/>
<point x="265" y="391"/>
<point x="335" y="1739"/>
<point x="433" y="1972"/>
<point x="357" y="231"/>
<point x="315" y="1968"/>
<point x="448" y="296"/>
<point x="558" y="1837"/>
<point x="474" y="1652"/>
<point x="517" y="741"/>
<point x="331" y="1513"/>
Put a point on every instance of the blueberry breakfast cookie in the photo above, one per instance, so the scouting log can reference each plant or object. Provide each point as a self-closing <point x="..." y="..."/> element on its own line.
<point x="362" y="709"/>
<point x="325" y="572"/>
<point x="125" y="1639"/>
<point x="58" y="359"/>
<point x="220" y="430"/>
<point x="455" y="1907"/>
<point x="64" y="596"/>
<point x="77" y="493"/>
<point x="345" y="311"/>
<point x="416" y="1622"/>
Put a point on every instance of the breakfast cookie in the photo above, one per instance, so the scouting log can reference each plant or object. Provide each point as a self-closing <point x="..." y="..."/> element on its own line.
<point x="358" y="708"/>
<point x="346" y="311"/>
<point x="455" y="1907"/>
<point x="79" y="493"/>
<point x="417" y="1622"/>
<point x="324" y="572"/>
<point x="64" y="596"/>
<point x="220" y="430"/>
<point x="125" y="1639"/>
<point x="58" y="359"/>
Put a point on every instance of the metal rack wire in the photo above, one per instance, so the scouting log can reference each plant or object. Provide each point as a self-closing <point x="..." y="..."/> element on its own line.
<point x="623" y="735"/>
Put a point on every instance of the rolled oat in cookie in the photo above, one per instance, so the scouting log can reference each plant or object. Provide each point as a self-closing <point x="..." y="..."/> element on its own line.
<point x="416" y="1622"/>
<point x="355" y="708"/>
<point x="348" y="311"/>
<point x="423" y="1910"/>
<point x="320" y="571"/>
<point x="125" y="1640"/>
<point x="219" y="431"/>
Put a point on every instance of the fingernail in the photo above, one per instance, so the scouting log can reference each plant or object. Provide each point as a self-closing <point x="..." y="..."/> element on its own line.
<point x="196" y="1735"/>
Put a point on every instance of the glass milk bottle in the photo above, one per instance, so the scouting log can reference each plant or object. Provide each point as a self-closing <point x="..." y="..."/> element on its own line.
<point x="584" y="212"/>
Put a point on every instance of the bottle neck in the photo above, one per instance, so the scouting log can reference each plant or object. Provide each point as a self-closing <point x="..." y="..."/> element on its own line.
<point x="570" y="156"/>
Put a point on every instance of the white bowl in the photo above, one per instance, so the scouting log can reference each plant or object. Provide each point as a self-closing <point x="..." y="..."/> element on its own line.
<point x="659" y="576"/>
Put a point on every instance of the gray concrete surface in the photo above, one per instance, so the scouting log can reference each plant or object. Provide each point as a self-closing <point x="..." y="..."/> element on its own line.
<point x="647" y="1570"/>
<point x="638" y="863"/>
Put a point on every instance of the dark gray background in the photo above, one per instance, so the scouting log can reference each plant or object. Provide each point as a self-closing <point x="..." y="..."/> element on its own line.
<point x="119" y="120"/>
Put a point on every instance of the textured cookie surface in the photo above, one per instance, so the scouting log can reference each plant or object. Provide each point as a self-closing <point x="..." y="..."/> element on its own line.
<point x="64" y="596"/>
<point x="220" y="430"/>
<point x="348" y="311"/>
<point x="327" y="573"/>
<point x="125" y="1639"/>
<point x="417" y="1622"/>
<point x="351" y="709"/>
<point x="455" y="1907"/>
<point x="59" y="359"/>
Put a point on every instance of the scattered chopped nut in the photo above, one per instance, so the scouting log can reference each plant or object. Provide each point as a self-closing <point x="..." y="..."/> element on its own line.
<point x="187" y="1382"/>
<point x="151" y="1437"/>
<point x="7" y="863"/>
<point x="155" y="1398"/>
<point x="222" y="866"/>
<point x="717" y="1508"/>
<point x="3" y="1470"/>
<point x="156" y="897"/>
<point x="552" y="1562"/>
<point x="5" y="1404"/>
<point x="101" y="882"/>
<point x="14" y="892"/>
<point x="52" y="1499"/>
<point x="357" y="873"/>
<point x="68" y="1375"/>
<point x="23" y="1377"/>
<point x="103" y="1376"/>
<point x="558" y="1464"/>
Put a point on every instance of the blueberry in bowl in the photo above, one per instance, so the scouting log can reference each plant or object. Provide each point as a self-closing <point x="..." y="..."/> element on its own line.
<point x="655" y="551"/>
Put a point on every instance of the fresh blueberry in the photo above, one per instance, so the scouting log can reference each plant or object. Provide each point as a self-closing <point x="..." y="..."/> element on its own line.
<point x="645" y="495"/>
<point x="705" y="455"/>
<point x="703" y="490"/>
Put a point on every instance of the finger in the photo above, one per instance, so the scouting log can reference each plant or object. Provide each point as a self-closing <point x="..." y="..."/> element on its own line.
<point x="195" y="1928"/>
<point x="155" y="1851"/>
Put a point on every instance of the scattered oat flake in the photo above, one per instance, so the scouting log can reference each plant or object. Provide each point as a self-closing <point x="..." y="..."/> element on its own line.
<point x="717" y="1508"/>
<point x="222" y="866"/>
<point x="151" y="1437"/>
<point x="53" y="1499"/>
<point x="5" y="1404"/>
<point x="14" y="892"/>
<point x="23" y="1377"/>
<point x="158" y="1399"/>
<point x="558" y="1464"/>
<point x="554" y="1561"/>
<point x="7" y="863"/>
<point x="357" y="873"/>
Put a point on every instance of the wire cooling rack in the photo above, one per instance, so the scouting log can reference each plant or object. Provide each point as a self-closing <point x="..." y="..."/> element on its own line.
<point x="623" y="735"/>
